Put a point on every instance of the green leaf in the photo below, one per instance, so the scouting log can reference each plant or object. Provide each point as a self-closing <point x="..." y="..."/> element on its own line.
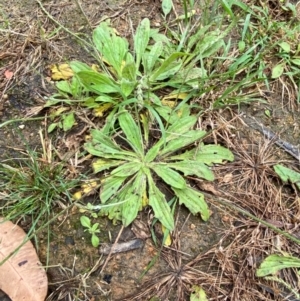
<point x="128" y="81"/>
<point x="64" y="86"/>
<point x="208" y="154"/>
<point x="134" y="198"/>
<point x="157" y="201"/>
<point x="169" y="176"/>
<point x="296" y="61"/>
<point x="182" y="141"/>
<point x="150" y="58"/>
<point x="129" y="72"/>
<point x="105" y="152"/>
<point x="103" y="142"/>
<point x="98" y="137"/>
<point x="277" y="71"/>
<point x="198" y="36"/>
<point x="77" y="66"/>
<point x="227" y="8"/>
<point x="127" y="86"/>
<point x="193" y="200"/>
<point x="165" y="66"/>
<point x="98" y="83"/>
<point x="242" y="46"/>
<point x="273" y="263"/>
<point x="180" y="127"/>
<point x="68" y="121"/>
<point x="132" y="132"/>
<point x="153" y="152"/>
<point x="113" y="48"/>
<point x="287" y="174"/>
<point x="209" y="45"/>
<point x="114" y="205"/>
<point x="190" y="76"/>
<point x="198" y="294"/>
<point x="141" y="40"/>
<point x="127" y="169"/>
<point x="95" y="241"/>
<point x="52" y="127"/>
<point x="102" y="164"/>
<point x="85" y="221"/>
<point x="285" y="46"/>
<point x="103" y="146"/>
<point x="166" y="6"/>
<point x="95" y="228"/>
<point x="190" y="168"/>
<point x="110" y="186"/>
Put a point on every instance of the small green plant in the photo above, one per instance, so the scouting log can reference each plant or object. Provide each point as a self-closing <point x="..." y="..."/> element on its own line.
<point x="131" y="182"/>
<point x="92" y="229"/>
<point x="272" y="43"/>
<point x="287" y="174"/>
<point x="32" y="186"/>
<point x="273" y="264"/>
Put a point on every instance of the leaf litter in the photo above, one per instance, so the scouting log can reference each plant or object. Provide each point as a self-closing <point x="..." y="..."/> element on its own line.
<point x="22" y="276"/>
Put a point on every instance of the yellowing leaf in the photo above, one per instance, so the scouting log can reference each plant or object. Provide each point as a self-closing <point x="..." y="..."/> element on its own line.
<point x="21" y="275"/>
<point x="86" y="189"/>
<point x="98" y="112"/>
<point x="198" y="294"/>
<point x="123" y="65"/>
<point x="145" y="200"/>
<point x="167" y="237"/>
<point x="89" y="186"/>
<point x="95" y="67"/>
<point x="168" y="103"/>
<point x="59" y="111"/>
<point x="77" y="195"/>
<point x="62" y="71"/>
<point x="171" y="104"/>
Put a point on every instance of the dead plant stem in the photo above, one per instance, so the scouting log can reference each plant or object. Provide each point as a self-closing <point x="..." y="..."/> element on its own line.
<point x="226" y="203"/>
<point x="20" y="120"/>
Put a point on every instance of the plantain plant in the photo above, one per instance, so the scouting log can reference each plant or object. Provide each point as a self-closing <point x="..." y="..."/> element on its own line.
<point x="132" y="167"/>
<point x="125" y="77"/>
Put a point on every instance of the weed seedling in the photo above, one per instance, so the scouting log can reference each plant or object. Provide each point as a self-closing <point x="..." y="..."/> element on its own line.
<point x="92" y="229"/>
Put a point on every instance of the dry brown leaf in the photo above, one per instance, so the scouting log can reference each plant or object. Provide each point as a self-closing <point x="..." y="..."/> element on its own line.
<point x="21" y="276"/>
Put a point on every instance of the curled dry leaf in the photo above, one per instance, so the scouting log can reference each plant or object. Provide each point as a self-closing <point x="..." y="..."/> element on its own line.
<point x="21" y="276"/>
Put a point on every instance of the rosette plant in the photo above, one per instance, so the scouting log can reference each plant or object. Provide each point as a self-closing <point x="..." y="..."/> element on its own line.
<point x="132" y="170"/>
